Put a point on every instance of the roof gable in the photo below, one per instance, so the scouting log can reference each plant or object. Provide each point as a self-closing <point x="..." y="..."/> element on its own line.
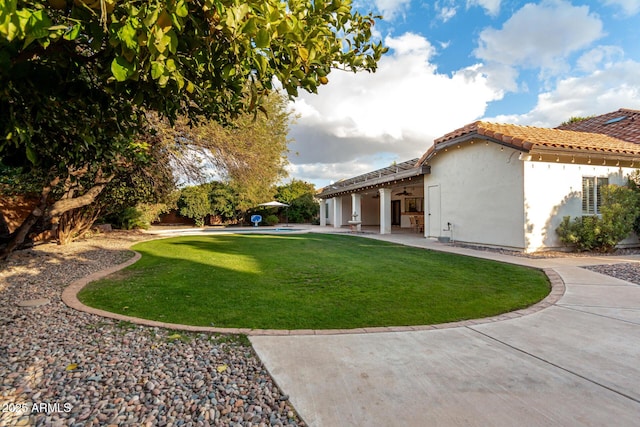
<point x="534" y="139"/>
<point x="622" y="124"/>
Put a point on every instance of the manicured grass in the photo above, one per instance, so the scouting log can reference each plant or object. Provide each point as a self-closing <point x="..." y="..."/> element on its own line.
<point x="309" y="281"/>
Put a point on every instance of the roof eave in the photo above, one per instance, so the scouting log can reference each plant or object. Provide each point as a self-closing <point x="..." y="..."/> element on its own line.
<point x="472" y="136"/>
<point x="352" y="188"/>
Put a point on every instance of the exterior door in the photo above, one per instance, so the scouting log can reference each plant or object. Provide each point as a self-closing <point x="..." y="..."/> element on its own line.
<point x="396" y="215"/>
<point x="433" y="211"/>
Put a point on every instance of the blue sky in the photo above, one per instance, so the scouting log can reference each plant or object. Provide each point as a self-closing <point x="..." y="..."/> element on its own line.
<point x="452" y="62"/>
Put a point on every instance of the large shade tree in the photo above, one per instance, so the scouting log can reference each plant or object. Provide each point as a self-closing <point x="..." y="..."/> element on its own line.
<point x="77" y="77"/>
<point x="300" y="196"/>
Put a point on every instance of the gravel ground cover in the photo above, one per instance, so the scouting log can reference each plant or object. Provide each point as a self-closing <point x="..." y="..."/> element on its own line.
<point x="60" y="367"/>
<point x="625" y="271"/>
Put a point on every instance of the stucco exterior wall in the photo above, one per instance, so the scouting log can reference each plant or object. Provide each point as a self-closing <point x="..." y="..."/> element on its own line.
<point x="480" y="194"/>
<point x="553" y="191"/>
<point x="329" y="211"/>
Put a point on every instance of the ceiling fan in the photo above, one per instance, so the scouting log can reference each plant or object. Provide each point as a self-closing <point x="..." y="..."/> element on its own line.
<point x="404" y="192"/>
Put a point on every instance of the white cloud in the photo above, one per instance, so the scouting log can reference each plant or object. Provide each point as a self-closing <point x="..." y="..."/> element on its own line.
<point x="405" y="97"/>
<point x="599" y="57"/>
<point x="491" y="6"/>
<point x="445" y="9"/>
<point x="390" y="9"/>
<point x="323" y="174"/>
<point x="603" y="91"/>
<point x="446" y="13"/>
<point x="539" y="36"/>
<point x="398" y="110"/>
<point x="629" y="7"/>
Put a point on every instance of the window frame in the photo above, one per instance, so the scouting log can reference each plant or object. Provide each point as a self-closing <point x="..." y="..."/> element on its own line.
<point x="414" y="204"/>
<point x="591" y="194"/>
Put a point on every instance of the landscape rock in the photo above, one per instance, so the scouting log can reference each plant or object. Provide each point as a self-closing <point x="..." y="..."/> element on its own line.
<point x="80" y="369"/>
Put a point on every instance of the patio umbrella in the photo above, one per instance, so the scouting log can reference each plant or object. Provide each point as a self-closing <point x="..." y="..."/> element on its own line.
<point x="276" y="204"/>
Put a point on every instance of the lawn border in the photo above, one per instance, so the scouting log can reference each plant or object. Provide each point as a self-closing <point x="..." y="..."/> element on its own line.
<point x="70" y="298"/>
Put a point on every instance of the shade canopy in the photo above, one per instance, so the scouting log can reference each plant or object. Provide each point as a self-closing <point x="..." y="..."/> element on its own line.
<point x="274" y="203"/>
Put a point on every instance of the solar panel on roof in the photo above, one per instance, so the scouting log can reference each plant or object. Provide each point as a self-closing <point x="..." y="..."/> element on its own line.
<point x="617" y="119"/>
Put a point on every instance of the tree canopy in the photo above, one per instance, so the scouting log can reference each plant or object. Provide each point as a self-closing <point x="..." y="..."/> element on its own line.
<point x="110" y="58"/>
<point x="299" y="195"/>
<point x="79" y="77"/>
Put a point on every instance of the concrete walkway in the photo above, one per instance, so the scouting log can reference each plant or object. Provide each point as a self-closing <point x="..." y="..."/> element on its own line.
<point x="575" y="363"/>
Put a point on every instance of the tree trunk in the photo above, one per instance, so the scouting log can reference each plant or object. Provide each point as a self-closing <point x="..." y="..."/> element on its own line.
<point x="58" y="208"/>
<point x="4" y="227"/>
<point x="75" y="223"/>
<point x="18" y="237"/>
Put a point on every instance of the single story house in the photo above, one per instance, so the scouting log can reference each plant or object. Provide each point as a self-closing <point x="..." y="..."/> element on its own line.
<point x="489" y="184"/>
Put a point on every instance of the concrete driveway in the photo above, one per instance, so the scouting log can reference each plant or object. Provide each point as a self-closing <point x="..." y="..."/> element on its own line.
<point x="576" y="363"/>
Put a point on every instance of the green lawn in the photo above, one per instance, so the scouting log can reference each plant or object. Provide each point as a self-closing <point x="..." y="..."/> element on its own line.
<point x="309" y="281"/>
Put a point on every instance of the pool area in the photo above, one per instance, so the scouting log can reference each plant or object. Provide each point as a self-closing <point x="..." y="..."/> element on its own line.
<point x="227" y="230"/>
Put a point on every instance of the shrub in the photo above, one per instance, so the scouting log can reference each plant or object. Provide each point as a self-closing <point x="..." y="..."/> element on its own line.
<point x="150" y="212"/>
<point x="619" y="210"/>
<point x="271" y="220"/>
<point x="634" y="184"/>
<point x="194" y="203"/>
<point x="132" y="218"/>
<point x="583" y="233"/>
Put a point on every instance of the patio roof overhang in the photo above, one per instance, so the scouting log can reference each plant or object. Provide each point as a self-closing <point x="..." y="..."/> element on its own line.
<point x="385" y="177"/>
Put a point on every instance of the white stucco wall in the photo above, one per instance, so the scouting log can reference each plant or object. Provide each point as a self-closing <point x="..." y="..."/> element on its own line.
<point x="481" y="195"/>
<point x="329" y="211"/>
<point x="554" y="190"/>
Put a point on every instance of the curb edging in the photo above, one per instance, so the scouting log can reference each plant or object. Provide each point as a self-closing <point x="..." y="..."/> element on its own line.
<point x="70" y="298"/>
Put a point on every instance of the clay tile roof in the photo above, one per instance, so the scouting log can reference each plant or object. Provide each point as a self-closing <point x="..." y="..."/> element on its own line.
<point x="529" y="138"/>
<point x="622" y="124"/>
<point x="564" y="139"/>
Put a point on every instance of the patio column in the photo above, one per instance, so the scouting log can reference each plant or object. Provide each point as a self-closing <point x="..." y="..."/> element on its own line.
<point x="356" y="209"/>
<point x="356" y="206"/>
<point x="323" y="213"/>
<point x="337" y="212"/>
<point x="385" y="210"/>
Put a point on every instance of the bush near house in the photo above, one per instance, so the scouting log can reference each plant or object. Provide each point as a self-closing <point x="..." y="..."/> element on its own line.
<point x="619" y="211"/>
<point x="634" y="184"/>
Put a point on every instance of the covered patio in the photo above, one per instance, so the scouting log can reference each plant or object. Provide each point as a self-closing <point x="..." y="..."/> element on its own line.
<point x="386" y="200"/>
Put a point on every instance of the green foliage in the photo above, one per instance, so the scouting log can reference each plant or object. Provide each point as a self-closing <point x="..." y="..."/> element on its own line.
<point x="271" y="220"/>
<point x="582" y="232"/>
<point x="72" y="74"/>
<point x="619" y="210"/>
<point x="78" y="78"/>
<point x="575" y="119"/>
<point x="223" y="201"/>
<point x="15" y="181"/>
<point x="249" y="154"/>
<point x="299" y="195"/>
<point x="132" y="218"/>
<point x="194" y="203"/>
<point x="150" y="212"/>
<point x="634" y="185"/>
